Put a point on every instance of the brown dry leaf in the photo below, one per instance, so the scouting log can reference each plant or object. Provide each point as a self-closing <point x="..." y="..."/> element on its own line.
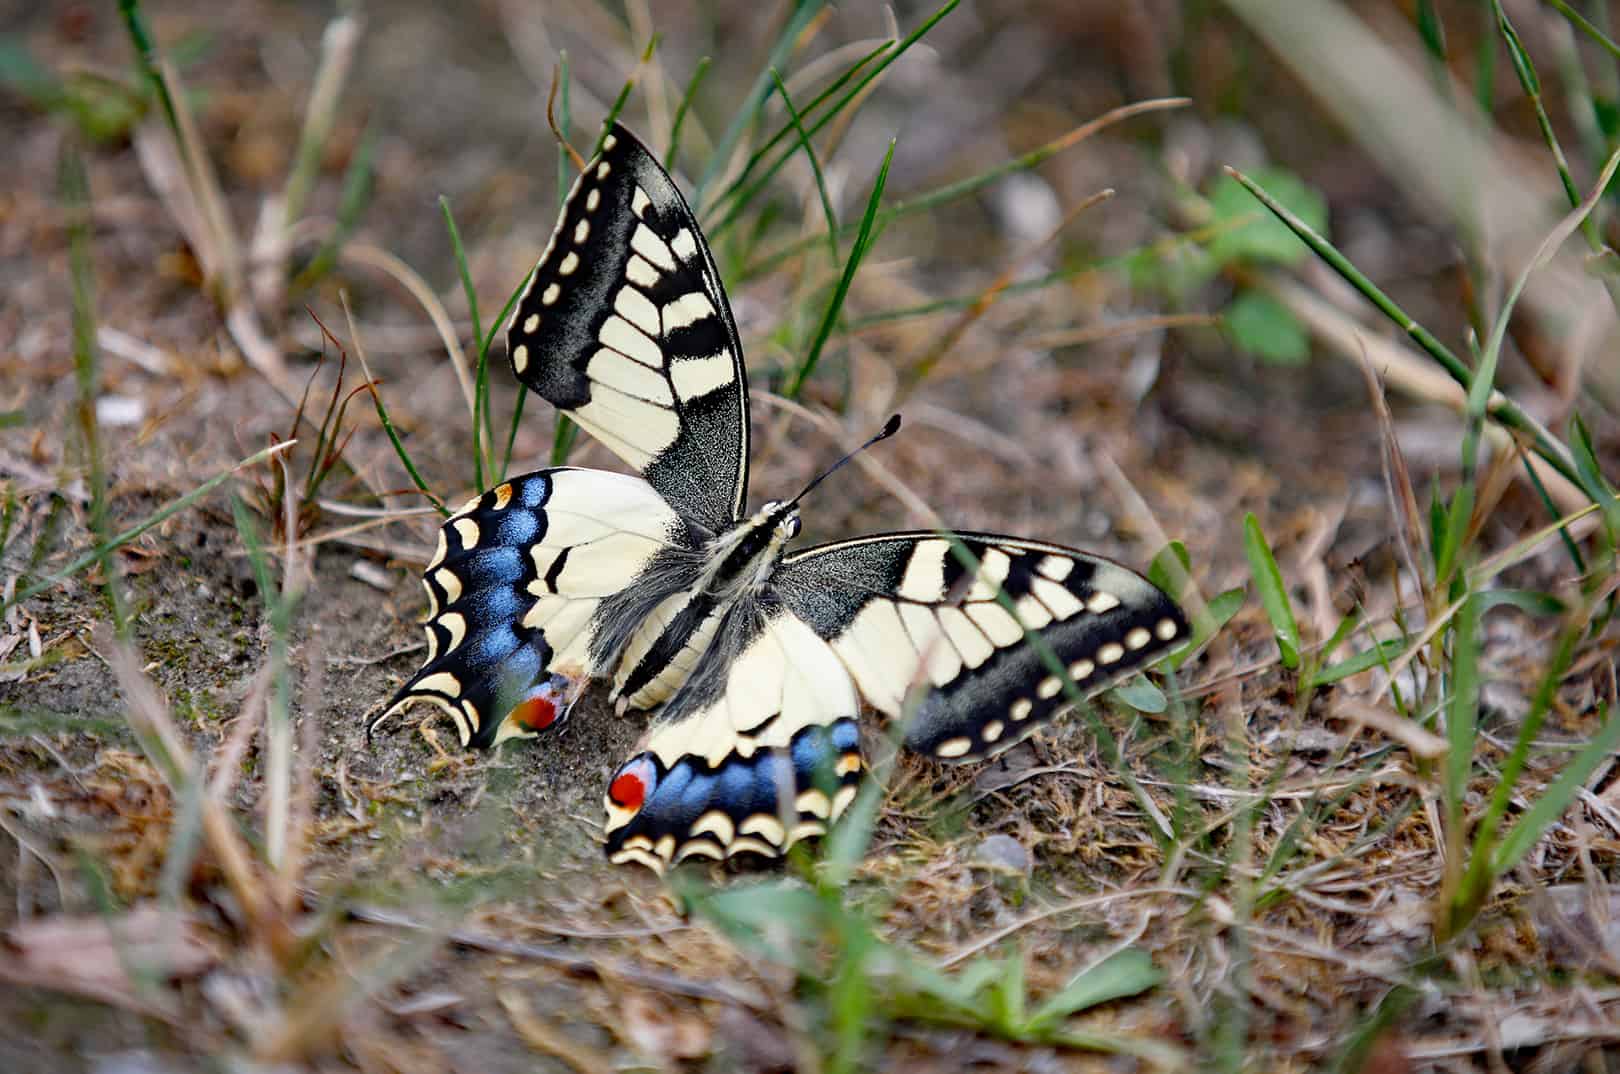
<point x="659" y="1033"/>
<point x="97" y="956"/>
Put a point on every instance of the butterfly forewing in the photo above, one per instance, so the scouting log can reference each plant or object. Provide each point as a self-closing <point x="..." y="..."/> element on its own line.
<point x="625" y="327"/>
<point x="907" y="612"/>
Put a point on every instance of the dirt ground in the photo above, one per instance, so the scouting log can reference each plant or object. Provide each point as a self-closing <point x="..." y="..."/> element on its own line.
<point x="1112" y="444"/>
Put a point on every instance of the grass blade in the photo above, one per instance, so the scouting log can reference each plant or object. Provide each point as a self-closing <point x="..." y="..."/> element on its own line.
<point x="1273" y="593"/>
<point x="169" y="510"/>
<point x="830" y="318"/>
<point x="815" y="166"/>
<point x="692" y="85"/>
<point x="748" y="110"/>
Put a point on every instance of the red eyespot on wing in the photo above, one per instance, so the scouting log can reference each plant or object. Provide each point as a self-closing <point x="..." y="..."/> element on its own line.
<point x="634" y="782"/>
<point x="535" y="714"/>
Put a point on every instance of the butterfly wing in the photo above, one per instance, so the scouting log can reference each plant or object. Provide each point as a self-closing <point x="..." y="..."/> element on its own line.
<point x="513" y="593"/>
<point x="903" y="609"/>
<point x="758" y="750"/>
<point x="624" y="326"/>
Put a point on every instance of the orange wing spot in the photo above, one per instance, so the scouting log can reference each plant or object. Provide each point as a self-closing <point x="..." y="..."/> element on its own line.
<point x="535" y="714"/>
<point x="631" y="786"/>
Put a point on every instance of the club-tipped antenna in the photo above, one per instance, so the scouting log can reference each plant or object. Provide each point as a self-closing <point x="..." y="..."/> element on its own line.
<point x="890" y="427"/>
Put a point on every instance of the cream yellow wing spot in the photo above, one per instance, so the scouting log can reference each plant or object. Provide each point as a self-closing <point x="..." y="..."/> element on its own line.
<point x="640" y="273"/>
<point x="695" y="377"/>
<point x="683" y="245"/>
<point x="971" y="644"/>
<point x="632" y="378"/>
<point x="924" y="579"/>
<point x="638" y="309"/>
<point x="1002" y="629"/>
<point x="645" y="241"/>
<point x="1058" y="600"/>
<point x="630" y="341"/>
<point x="1057" y="568"/>
<point x="686" y="310"/>
<point x="994" y="565"/>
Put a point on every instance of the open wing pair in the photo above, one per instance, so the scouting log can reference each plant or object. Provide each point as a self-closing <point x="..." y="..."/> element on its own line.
<point x="753" y="660"/>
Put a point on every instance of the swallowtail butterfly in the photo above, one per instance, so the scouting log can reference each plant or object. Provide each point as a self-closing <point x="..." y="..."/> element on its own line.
<point x="753" y="660"/>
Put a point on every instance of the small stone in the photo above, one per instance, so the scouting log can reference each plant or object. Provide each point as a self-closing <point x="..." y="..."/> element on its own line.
<point x="1004" y="854"/>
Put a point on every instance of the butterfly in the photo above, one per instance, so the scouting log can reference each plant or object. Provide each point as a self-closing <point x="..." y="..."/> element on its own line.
<point x="754" y="660"/>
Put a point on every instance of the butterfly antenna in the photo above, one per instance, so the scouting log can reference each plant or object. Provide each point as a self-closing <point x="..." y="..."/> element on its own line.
<point x="890" y="427"/>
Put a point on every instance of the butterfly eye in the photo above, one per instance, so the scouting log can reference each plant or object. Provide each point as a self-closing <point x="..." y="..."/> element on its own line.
<point x="790" y="527"/>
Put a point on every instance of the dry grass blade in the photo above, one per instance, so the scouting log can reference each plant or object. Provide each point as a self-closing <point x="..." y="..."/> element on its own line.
<point x="374" y="257"/>
<point x="151" y="719"/>
<point x="1399" y="366"/>
<point x="1403" y="507"/>
<point x="108" y="958"/>
<point x="928" y="363"/>
<point x="546" y="1037"/>
<point x="1418" y="740"/>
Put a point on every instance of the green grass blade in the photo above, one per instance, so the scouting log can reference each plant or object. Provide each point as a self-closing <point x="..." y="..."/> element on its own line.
<point x="1462" y="713"/>
<point x="352" y="203"/>
<point x="1580" y="23"/>
<point x="758" y="156"/>
<point x="748" y="193"/>
<point x="1125" y="973"/>
<point x="146" y="59"/>
<point x="1558" y="796"/>
<point x="692" y="84"/>
<point x="1502" y="409"/>
<point x="815" y="166"/>
<point x="481" y="376"/>
<point x="169" y="510"/>
<point x="830" y="318"/>
<point x="617" y="107"/>
<point x="75" y="187"/>
<point x="961" y="188"/>
<point x="748" y="110"/>
<point x="1268" y="583"/>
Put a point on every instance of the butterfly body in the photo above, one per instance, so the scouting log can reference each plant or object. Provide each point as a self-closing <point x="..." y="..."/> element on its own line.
<point x="753" y="658"/>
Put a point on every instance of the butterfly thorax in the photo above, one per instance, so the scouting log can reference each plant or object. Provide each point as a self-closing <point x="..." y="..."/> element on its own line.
<point x="671" y="639"/>
<point x="742" y="558"/>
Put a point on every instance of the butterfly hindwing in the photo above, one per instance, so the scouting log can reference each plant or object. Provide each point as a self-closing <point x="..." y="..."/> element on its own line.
<point x="757" y="751"/>
<point x="625" y="327"/>
<point x="904" y="610"/>
<point x="513" y="593"/>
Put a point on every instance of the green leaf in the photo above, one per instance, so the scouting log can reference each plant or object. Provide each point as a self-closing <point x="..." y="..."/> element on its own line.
<point x="1273" y="594"/>
<point x="1246" y="232"/>
<point x="1126" y="973"/>
<point x="1170" y="568"/>
<point x="1267" y="329"/>
<point x="1141" y="695"/>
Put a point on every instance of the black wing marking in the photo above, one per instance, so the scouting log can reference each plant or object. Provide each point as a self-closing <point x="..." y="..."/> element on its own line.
<point x="625" y="327"/>
<point x="514" y="592"/>
<point x="758" y="750"/>
<point x="901" y="609"/>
